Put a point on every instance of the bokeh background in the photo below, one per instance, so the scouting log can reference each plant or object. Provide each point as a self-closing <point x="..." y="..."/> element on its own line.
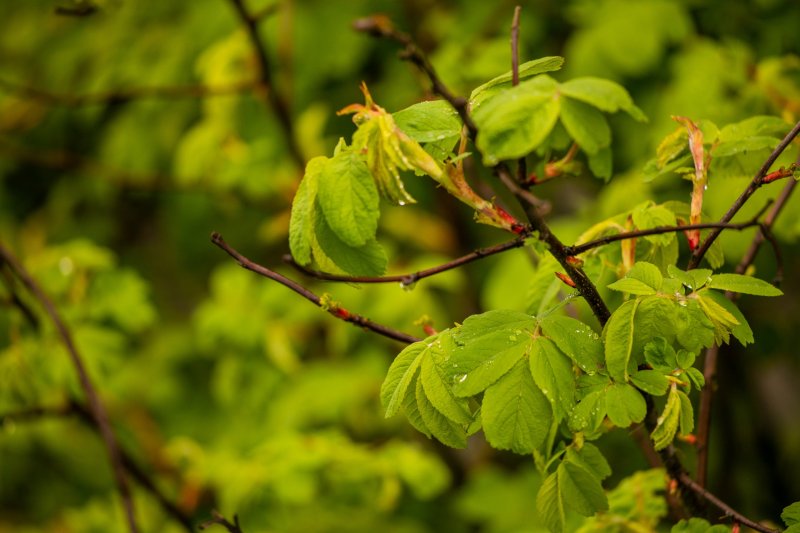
<point x="229" y="391"/>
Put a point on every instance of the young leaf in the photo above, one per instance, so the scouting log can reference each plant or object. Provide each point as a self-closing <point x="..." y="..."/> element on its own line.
<point x="577" y="340"/>
<point x="400" y="374"/>
<point x="654" y="216"/>
<point x="687" y="414"/>
<point x="516" y="121"/>
<point x="586" y="125"/>
<point x="791" y="514"/>
<point x="445" y="430"/>
<point x="619" y="340"/>
<point x="696" y="377"/>
<point x="430" y="121"/>
<point x="698" y="525"/>
<point x="526" y="70"/>
<point x="643" y="279"/>
<point x="590" y="458"/>
<point x="624" y="405"/>
<point x="301" y="223"/>
<point x="516" y="415"/>
<point x="693" y="279"/>
<point x="552" y="372"/>
<point x="436" y="387"/>
<point x="487" y="346"/>
<point x="661" y="355"/>
<point x="743" y="284"/>
<point x="588" y="415"/>
<point x="694" y="330"/>
<point x="651" y="381"/>
<point x="601" y="163"/>
<point x="602" y="94"/>
<point x="330" y="251"/>
<point x="570" y="486"/>
<point x="348" y="198"/>
<point x="668" y="422"/>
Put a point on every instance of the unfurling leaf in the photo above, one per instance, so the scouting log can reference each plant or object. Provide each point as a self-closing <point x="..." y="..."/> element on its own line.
<point x="700" y="179"/>
<point x="669" y="420"/>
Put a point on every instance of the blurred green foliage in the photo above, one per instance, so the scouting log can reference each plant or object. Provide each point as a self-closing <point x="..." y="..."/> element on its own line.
<point x="234" y="394"/>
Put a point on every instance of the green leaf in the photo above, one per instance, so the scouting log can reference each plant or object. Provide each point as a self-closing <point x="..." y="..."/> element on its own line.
<point x="445" y="430"/>
<point x="693" y="279"/>
<point x="516" y="415"/>
<point x="588" y="415"/>
<point x="516" y="121"/>
<point x="586" y="125"/>
<point x="647" y="273"/>
<point x="410" y="407"/>
<point x="430" y="121"/>
<point x="366" y="260"/>
<point x="791" y="514"/>
<point x="696" y="377"/>
<point x="570" y="486"/>
<point x="577" y="340"/>
<point x="655" y="216"/>
<point x="619" y="340"/>
<point x="400" y="374"/>
<point x="661" y="355"/>
<point x="694" y="330"/>
<point x="687" y="414"/>
<point x="526" y="70"/>
<point x="349" y="198"/>
<point x="624" y="405"/>
<point x="668" y="422"/>
<point x="552" y="372"/>
<point x="602" y="94"/>
<point x="685" y="359"/>
<point x="742" y="330"/>
<point x="487" y="346"/>
<point x="301" y="223"/>
<point x="722" y="319"/>
<point x="590" y="458"/>
<point x="601" y="163"/>
<point x="743" y="284"/>
<point x="434" y="382"/>
<point x="651" y="381"/>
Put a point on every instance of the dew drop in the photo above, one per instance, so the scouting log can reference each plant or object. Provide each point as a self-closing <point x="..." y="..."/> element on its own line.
<point x="408" y="287"/>
<point x="462" y="378"/>
<point x="401" y="202"/>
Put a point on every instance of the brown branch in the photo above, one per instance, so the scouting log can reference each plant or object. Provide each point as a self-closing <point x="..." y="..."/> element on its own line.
<point x="118" y="96"/>
<point x="335" y="310"/>
<point x="756" y="182"/>
<point x="274" y="100"/>
<point x="74" y="407"/>
<point x="218" y="519"/>
<point x="687" y="481"/>
<point x="96" y="407"/>
<point x="413" y="277"/>
<point x="712" y="354"/>
<point x="585" y="247"/>
<point x="381" y="26"/>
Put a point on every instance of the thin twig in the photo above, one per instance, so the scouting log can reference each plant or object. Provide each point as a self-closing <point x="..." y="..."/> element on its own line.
<point x="755" y="183"/>
<point x="274" y="100"/>
<point x="712" y="353"/>
<point x="335" y="310"/>
<point x="219" y="520"/>
<point x="74" y="407"/>
<point x="585" y="247"/>
<point x="96" y="407"/>
<point x="381" y="26"/>
<point x="413" y="277"/>
<point x="687" y="481"/>
<point x="118" y="96"/>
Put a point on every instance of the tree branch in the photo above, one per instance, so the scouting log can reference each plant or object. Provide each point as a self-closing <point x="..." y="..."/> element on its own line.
<point x="119" y="96"/>
<point x="381" y="26"/>
<point x="578" y="249"/>
<point x="413" y="277"/>
<point x="712" y="354"/>
<point x="218" y="519"/>
<point x="96" y="407"/>
<point x="274" y="100"/>
<point x="756" y="182"/>
<point x="332" y="308"/>
<point x="687" y="481"/>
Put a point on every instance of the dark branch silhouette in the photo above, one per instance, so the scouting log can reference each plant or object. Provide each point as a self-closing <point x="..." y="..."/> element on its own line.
<point x="273" y="99"/>
<point x="335" y="310"/>
<point x="96" y="406"/>
<point x="219" y="520"/>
